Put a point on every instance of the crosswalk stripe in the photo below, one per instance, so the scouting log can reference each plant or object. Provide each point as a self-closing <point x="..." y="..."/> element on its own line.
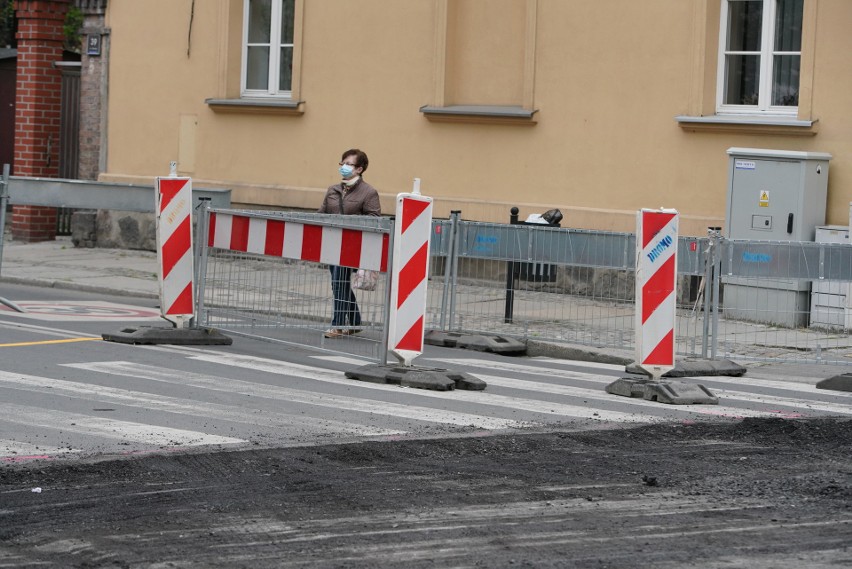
<point x="10" y="448"/>
<point x="593" y="365"/>
<point x="593" y="394"/>
<point x="810" y="404"/>
<point x="799" y="384"/>
<point x="108" y="428"/>
<point x="295" y="395"/>
<point x="127" y="398"/>
<point x="477" y="397"/>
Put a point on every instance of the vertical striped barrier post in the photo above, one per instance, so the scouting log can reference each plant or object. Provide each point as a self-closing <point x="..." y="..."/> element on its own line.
<point x="412" y="231"/>
<point x="656" y="274"/>
<point x="174" y="249"/>
<point x="406" y="321"/>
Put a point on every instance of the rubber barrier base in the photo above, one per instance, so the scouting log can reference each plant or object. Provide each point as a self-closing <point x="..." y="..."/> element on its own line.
<point x="435" y="379"/>
<point x="670" y="392"/>
<point x="178" y="336"/>
<point x="696" y="368"/>
<point x="479" y="342"/>
<point x="841" y="382"/>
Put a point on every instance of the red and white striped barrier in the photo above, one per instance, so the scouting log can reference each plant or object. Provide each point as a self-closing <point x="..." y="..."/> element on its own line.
<point x="174" y="249"/>
<point x="302" y="241"/>
<point x="656" y="274"/>
<point x="407" y="319"/>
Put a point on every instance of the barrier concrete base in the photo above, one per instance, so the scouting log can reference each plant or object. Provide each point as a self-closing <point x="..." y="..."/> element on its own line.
<point x="435" y="379"/>
<point x="695" y="368"/>
<point x="479" y="342"/>
<point x="671" y="392"/>
<point x="178" y="336"/>
<point x="842" y="382"/>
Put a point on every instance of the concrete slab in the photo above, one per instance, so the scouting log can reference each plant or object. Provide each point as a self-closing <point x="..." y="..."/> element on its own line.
<point x="436" y="379"/>
<point x="842" y="382"/>
<point x="669" y="392"/>
<point x="696" y="368"/>
<point x="479" y="342"/>
<point x="160" y="335"/>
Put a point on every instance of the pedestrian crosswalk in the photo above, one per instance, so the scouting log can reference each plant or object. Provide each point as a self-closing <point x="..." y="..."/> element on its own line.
<point x="231" y="400"/>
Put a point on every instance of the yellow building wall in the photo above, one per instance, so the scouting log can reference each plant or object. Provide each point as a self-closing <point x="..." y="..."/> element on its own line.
<point x="606" y="78"/>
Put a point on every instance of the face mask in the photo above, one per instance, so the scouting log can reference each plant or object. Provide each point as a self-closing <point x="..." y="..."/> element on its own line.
<point x="346" y="170"/>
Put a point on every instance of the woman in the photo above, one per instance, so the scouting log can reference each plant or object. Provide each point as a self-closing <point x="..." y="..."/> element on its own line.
<point x="352" y="196"/>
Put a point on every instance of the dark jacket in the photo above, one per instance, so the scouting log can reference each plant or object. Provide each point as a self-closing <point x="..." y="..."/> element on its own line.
<point x="361" y="199"/>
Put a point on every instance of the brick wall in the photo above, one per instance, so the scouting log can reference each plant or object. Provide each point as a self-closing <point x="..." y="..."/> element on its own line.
<point x="37" y="108"/>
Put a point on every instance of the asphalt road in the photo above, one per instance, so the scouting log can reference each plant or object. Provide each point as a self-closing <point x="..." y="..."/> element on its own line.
<point x="258" y="455"/>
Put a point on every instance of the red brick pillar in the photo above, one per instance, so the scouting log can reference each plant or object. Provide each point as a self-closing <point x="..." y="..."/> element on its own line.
<point x="37" y="104"/>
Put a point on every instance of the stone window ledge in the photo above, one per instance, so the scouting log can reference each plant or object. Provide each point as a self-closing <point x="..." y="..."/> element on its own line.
<point x="480" y="114"/>
<point x="256" y="106"/>
<point x="745" y="124"/>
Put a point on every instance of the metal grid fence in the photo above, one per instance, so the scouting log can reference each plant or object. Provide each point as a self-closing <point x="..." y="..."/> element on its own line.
<point x="765" y="301"/>
<point x="288" y="301"/>
<point x="555" y="284"/>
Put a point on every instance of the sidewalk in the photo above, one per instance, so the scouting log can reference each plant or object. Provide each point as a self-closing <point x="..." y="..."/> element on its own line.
<point x="58" y="264"/>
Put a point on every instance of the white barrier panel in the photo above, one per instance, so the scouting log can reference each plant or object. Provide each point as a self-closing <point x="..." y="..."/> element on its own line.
<point x="656" y="301"/>
<point x="174" y="249"/>
<point x="301" y="241"/>
<point x="407" y="320"/>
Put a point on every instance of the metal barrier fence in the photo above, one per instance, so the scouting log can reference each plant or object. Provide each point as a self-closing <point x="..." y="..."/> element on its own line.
<point x="786" y="301"/>
<point x="287" y="300"/>
<point x="766" y="301"/>
<point x="555" y="284"/>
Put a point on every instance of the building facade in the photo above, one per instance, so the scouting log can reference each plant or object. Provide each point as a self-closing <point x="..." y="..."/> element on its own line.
<point x="595" y="107"/>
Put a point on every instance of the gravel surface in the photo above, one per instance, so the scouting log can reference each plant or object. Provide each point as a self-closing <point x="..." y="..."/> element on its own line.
<point x="758" y="494"/>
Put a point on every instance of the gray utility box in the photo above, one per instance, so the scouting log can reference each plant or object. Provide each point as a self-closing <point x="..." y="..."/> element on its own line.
<point x="773" y="195"/>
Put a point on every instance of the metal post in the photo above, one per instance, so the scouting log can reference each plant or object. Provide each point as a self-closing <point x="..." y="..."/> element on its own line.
<point x="717" y="276"/>
<point x="4" y="200"/>
<point x="383" y="350"/>
<point x="454" y="216"/>
<point x="707" y="291"/>
<point x="511" y="267"/>
<point x="454" y="270"/>
<point x="203" y="222"/>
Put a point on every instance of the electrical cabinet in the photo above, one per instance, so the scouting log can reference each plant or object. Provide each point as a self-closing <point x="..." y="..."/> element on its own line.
<point x="773" y="195"/>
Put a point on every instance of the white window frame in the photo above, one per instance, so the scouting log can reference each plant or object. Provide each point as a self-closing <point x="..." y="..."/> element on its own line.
<point x="767" y="59"/>
<point x="272" y="90"/>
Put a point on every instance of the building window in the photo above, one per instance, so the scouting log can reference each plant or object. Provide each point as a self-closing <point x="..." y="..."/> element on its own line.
<point x="760" y="59"/>
<point x="267" y="65"/>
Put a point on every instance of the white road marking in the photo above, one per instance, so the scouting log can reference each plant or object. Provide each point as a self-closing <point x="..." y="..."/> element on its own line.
<point x="587" y="394"/>
<point x="10" y="448"/>
<point x="81" y="311"/>
<point x="128" y="398"/>
<point x="478" y="397"/>
<point x="736" y="395"/>
<point x="295" y="395"/>
<point x="108" y="428"/>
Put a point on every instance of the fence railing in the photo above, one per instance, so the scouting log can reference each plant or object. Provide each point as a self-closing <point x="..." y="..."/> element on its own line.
<point x="288" y="300"/>
<point x="749" y="300"/>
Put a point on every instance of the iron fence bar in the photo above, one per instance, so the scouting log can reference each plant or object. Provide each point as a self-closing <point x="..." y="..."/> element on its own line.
<point x="203" y="208"/>
<point x="717" y="277"/>
<point x="4" y="200"/>
<point x="383" y="347"/>
<point x="450" y="254"/>
<point x="454" y="268"/>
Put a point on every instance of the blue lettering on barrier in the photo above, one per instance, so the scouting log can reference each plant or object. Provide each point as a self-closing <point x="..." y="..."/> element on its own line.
<point x="756" y="257"/>
<point x="485" y="243"/>
<point x="658" y="249"/>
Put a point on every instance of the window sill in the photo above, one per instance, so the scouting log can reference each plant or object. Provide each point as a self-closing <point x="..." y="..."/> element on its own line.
<point x="746" y="124"/>
<point x="480" y="114"/>
<point x="256" y="106"/>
